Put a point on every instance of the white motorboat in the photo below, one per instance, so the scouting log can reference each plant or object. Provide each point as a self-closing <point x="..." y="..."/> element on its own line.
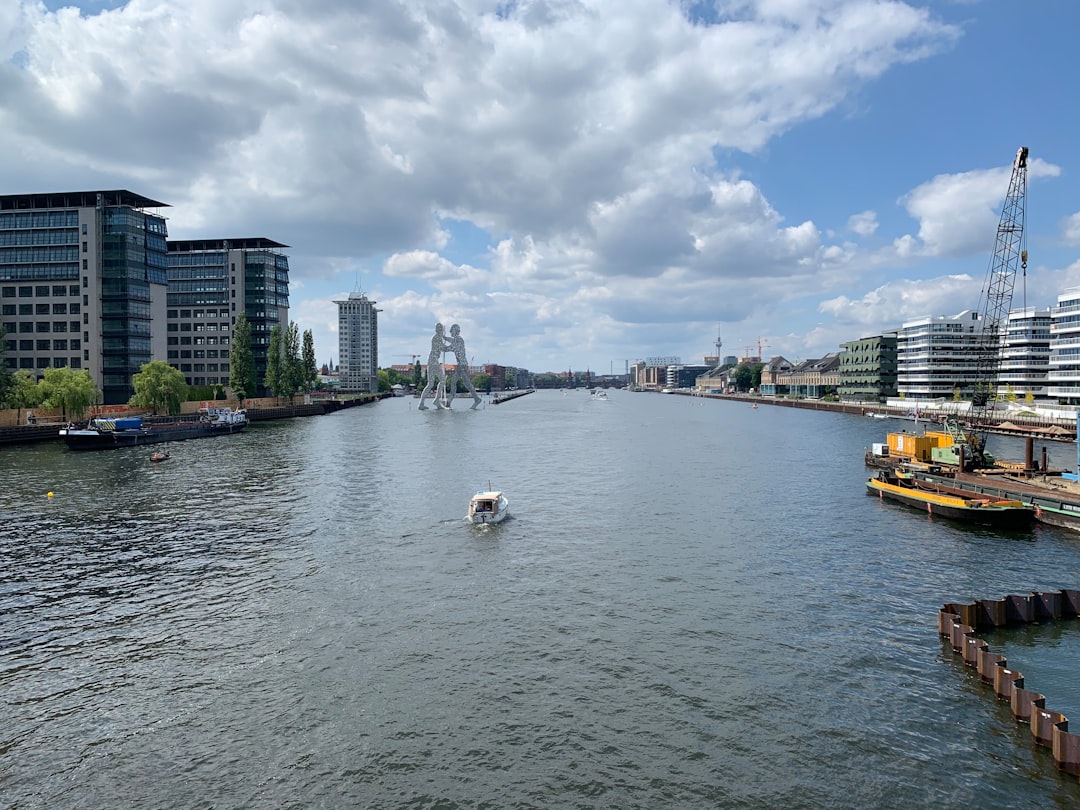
<point x="599" y="393"/>
<point x="488" y="506"/>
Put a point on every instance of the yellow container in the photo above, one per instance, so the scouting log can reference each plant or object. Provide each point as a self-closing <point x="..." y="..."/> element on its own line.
<point x="943" y="439"/>
<point x="907" y="445"/>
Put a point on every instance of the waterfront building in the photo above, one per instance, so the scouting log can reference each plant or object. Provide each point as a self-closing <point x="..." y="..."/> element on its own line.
<point x="868" y="369"/>
<point x="83" y="284"/>
<point x="813" y="378"/>
<point x="680" y="376"/>
<point x="358" y="344"/>
<point x="773" y="377"/>
<point x="1025" y="355"/>
<point x="1063" y="377"/>
<point x="211" y="281"/>
<point x="936" y="356"/>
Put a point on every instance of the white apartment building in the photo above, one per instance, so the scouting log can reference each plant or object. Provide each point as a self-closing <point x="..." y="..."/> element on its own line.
<point x="936" y="355"/>
<point x="358" y="344"/>
<point x="1063" y="379"/>
<point x="1025" y="354"/>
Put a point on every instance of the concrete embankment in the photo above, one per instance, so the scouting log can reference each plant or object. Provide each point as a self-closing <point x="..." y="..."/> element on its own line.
<point x="49" y="431"/>
<point x="961" y="623"/>
<point x="1010" y="425"/>
<point x="509" y="395"/>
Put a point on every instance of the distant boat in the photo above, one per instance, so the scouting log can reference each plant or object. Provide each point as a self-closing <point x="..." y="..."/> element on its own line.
<point x="161" y="456"/>
<point x="599" y="393"/>
<point x="488" y="506"/>
<point x="952" y="503"/>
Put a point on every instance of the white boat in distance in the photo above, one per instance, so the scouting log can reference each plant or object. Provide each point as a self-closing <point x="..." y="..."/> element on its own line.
<point x="488" y="506"/>
<point x="599" y="393"/>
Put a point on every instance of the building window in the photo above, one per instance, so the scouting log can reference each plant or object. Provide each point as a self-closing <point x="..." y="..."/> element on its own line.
<point x="42" y="309"/>
<point x="8" y="292"/>
<point x="60" y="309"/>
<point x="76" y="362"/>
<point x="26" y="292"/>
<point x="43" y="345"/>
<point x="41" y="291"/>
<point x="43" y="326"/>
<point x="73" y="289"/>
<point x="26" y="309"/>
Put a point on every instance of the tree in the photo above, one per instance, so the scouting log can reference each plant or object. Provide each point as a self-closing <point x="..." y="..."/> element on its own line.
<point x="71" y="391"/>
<point x="274" y="379"/>
<point x="292" y="365"/>
<point x="310" y="376"/>
<point x="482" y="382"/>
<point x="160" y="387"/>
<point x="6" y="379"/>
<point x="417" y="376"/>
<point x="384" y="380"/>
<point x="743" y="378"/>
<point x="241" y="360"/>
<point x="24" y="391"/>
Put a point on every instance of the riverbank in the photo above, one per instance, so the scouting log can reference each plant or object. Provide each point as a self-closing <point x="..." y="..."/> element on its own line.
<point x="50" y="431"/>
<point x="1052" y="429"/>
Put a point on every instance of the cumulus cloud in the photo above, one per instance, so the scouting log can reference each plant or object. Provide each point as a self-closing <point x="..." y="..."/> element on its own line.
<point x="577" y="141"/>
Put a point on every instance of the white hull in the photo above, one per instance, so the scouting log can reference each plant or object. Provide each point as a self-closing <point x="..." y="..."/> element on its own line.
<point x="488" y="507"/>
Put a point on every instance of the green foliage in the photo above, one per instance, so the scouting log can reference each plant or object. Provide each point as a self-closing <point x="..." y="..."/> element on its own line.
<point x="241" y="360"/>
<point x="274" y="380"/>
<point x="310" y="373"/>
<point x="417" y="379"/>
<point x="292" y="368"/>
<point x="6" y="379"/>
<point x="24" y="391"/>
<point x="482" y="382"/>
<point x="743" y="378"/>
<point x="160" y="387"/>
<point x="71" y="391"/>
<point x="384" y="380"/>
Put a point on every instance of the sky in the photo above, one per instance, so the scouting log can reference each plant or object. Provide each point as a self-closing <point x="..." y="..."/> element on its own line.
<point x="577" y="183"/>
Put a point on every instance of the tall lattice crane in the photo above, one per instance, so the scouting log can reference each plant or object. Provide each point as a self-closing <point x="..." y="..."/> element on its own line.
<point x="1010" y="253"/>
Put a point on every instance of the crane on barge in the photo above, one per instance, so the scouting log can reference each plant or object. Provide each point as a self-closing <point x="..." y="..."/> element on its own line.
<point x="1010" y="253"/>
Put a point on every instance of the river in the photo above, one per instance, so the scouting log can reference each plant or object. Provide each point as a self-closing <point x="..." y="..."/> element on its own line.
<point x="694" y="605"/>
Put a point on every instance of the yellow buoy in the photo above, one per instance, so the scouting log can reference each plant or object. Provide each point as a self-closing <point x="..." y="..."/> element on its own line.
<point x="49" y="495"/>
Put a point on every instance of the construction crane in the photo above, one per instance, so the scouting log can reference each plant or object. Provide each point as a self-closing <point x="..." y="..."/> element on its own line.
<point x="1010" y="253"/>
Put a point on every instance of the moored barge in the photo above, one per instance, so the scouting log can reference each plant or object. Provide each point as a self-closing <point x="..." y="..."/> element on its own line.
<point x="103" y="433"/>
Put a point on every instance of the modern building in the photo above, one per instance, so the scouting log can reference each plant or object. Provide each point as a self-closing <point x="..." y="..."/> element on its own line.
<point x="358" y="344"/>
<point x="83" y="284"/>
<point x="211" y="281"/>
<point x="1063" y="378"/>
<point x="1025" y="355"/>
<point x="868" y="369"/>
<point x="936" y="356"/>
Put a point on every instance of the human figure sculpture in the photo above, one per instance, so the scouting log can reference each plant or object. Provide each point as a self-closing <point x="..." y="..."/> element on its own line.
<point x="461" y="370"/>
<point x="436" y="374"/>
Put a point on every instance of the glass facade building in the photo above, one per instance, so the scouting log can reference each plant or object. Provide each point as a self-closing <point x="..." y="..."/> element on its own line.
<point x="211" y="281"/>
<point x="82" y="282"/>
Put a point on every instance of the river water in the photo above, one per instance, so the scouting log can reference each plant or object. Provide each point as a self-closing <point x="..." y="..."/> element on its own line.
<point x="695" y="604"/>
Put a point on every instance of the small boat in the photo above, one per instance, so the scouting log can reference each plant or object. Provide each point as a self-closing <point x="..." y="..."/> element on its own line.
<point x="488" y="506"/>
<point x="161" y="456"/>
<point x="599" y="393"/>
<point x="969" y="507"/>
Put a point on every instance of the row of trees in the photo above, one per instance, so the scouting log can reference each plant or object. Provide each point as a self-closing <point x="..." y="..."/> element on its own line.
<point x="290" y="369"/>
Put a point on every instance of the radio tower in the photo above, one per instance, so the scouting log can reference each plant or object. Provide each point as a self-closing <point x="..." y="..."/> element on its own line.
<point x="718" y="344"/>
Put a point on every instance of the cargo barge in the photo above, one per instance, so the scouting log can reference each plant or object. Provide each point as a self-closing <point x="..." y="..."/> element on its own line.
<point x="107" y="434"/>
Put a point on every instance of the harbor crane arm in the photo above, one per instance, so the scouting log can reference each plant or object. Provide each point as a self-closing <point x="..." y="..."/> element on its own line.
<point x="1009" y="254"/>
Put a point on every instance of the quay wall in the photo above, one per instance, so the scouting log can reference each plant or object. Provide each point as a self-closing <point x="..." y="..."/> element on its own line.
<point x="961" y="623"/>
<point x="1058" y="428"/>
<point x="48" y="422"/>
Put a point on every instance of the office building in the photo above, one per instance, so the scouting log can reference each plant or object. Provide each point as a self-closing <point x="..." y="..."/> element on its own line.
<point x="358" y="344"/>
<point x="211" y="281"/>
<point x="83" y="284"/>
